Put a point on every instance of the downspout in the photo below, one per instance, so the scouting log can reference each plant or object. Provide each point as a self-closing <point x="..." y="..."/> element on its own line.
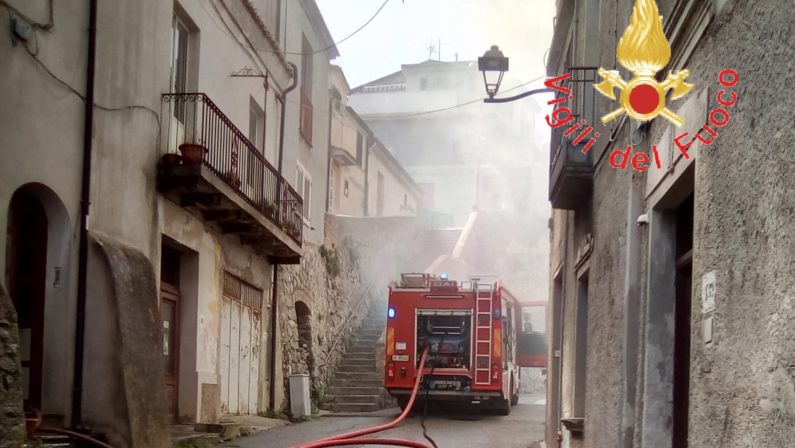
<point x="82" y="266"/>
<point x="275" y="299"/>
<point x="561" y="320"/>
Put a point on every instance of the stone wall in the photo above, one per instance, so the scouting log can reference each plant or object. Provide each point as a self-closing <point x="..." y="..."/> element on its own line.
<point x="328" y="282"/>
<point x="12" y="423"/>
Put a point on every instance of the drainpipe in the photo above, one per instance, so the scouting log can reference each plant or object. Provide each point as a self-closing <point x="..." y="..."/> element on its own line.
<point x="82" y="267"/>
<point x="274" y="307"/>
<point x="274" y="300"/>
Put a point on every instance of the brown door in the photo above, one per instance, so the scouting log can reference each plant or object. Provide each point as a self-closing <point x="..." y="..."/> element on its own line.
<point x="25" y="276"/>
<point x="169" y="301"/>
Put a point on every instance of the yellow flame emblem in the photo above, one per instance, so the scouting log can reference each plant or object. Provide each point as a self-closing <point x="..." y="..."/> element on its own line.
<point x="643" y="50"/>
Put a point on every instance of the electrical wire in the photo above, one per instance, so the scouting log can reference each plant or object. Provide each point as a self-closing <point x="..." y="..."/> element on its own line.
<point x="82" y="97"/>
<point x="231" y="35"/>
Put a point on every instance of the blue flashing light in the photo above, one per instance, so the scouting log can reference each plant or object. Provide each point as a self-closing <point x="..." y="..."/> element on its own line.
<point x="390" y="313"/>
<point x="443" y="276"/>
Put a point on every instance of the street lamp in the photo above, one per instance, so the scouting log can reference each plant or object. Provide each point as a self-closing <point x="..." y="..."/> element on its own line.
<point x="494" y="64"/>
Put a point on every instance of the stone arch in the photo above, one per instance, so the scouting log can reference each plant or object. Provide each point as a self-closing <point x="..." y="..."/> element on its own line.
<point x="39" y="243"/>
<point x="303" y="317"/>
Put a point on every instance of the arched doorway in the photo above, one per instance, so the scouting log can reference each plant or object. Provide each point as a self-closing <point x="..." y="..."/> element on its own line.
<point x="304" y="321"/>
<point x="26" y="271"/>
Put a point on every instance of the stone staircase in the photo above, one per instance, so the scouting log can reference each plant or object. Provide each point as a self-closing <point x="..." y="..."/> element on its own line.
<point x="358" y="384"/>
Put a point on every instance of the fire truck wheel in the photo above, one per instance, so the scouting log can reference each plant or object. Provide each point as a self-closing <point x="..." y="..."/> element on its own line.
<point x="514" y="395"/>
<point x="504" y="407"/>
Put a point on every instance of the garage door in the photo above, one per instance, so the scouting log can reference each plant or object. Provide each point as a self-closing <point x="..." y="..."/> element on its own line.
<point x="241" y="307"/>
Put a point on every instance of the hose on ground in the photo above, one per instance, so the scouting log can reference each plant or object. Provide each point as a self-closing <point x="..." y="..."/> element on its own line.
<point x="354" y="437"/>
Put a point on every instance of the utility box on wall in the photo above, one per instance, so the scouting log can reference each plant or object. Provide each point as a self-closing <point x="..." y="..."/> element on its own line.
<point x="300" y="403"/>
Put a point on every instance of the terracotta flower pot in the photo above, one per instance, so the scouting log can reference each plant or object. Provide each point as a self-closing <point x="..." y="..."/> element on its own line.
<point x="171" y="159"/>
<point x="192" y="153"/>
<point x="32" y="422"/>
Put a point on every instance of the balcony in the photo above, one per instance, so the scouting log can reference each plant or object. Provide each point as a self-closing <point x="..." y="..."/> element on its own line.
<point x="571" y="170"/>
<point x="229" y="184"/>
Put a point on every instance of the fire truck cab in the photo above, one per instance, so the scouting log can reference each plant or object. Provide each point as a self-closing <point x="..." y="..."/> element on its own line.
<point x="471" y="329"/>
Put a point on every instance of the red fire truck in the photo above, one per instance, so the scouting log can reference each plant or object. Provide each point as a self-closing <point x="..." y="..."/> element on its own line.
<point x="471" y="328"/>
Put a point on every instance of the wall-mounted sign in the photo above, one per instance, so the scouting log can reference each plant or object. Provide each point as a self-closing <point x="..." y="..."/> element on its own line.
<point x="708" y="291"/>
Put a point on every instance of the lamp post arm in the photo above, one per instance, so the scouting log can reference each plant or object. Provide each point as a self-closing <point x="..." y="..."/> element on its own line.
<point x="516" y="97"/>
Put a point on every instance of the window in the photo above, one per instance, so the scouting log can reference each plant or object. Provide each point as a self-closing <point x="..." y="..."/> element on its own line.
<point x="580" y="346"/>
<point x="256" y="125"/>
<point x="303" y="185"/>
<point x="179" y="64"/>
<point x="307" y="57"/>
<point x="359" y="148"/>
<point x="179" y="57"/>
<point x="379" y="205"/>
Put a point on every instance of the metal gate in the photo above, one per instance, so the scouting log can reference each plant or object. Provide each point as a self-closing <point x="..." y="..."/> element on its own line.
<point x="241" y="307"/>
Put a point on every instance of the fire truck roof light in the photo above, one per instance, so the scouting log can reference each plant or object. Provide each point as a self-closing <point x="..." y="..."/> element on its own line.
<point x="443" y="276"/>
<point x="390" y="313"/>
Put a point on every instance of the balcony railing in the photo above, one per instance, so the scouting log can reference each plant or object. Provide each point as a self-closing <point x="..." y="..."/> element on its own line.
<point x="571" y="170"/>
<point x="193" y="119"/>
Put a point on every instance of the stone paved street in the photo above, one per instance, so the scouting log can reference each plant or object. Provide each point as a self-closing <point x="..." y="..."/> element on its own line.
<point x="449" y="429"/>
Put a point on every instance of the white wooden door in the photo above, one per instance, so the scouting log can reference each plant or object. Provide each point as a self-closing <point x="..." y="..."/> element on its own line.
<point x="241" y="307"/>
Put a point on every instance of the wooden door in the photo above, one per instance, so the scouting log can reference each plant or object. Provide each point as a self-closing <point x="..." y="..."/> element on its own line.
<point x="169" y="316"/>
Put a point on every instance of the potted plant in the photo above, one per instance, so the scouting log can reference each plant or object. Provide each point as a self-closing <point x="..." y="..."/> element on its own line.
<point x="192" y="153"/>
<point x="171" y="159"/>
<point x="32" y="421"/>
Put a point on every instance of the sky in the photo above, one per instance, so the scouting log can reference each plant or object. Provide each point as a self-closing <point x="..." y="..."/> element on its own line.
<point x="405" y="29"/>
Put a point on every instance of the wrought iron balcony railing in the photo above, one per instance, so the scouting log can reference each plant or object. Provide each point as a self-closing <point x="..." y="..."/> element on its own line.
<point x="193" y="120"/>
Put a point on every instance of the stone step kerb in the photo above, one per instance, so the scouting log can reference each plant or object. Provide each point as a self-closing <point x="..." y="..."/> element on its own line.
<point x="359" y="375"/>
<point x="357" y="382"/>
<point x="353" y="390"/>
<point x="356" y="368"/>
<point x="355" y="398"/>
<point x="356" y="407"/>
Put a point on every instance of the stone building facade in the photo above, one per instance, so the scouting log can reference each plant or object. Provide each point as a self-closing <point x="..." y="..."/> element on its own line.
<point x="107" y="226"/>
<point x="672" y="288"/>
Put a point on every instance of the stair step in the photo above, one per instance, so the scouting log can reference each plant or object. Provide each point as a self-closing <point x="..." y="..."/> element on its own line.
<point x="356" y="368"/>
<point x="361" y="351"/>
<point x="358" y="362"/>
<point x="355" y="398"/>
<point x="353" y="390"/>
<point x="356" y="407"/>
<point x="362" y="374"/>
<point x="356" y="359"/>
<point x="357" y="382"/>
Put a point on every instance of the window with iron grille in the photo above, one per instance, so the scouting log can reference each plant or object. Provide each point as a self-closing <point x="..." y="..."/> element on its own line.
<point x="242" y="292"/>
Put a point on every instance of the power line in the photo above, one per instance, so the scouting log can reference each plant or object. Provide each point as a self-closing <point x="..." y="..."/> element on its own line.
<point x="294" y="53"/>
<point x="465" y="103"/>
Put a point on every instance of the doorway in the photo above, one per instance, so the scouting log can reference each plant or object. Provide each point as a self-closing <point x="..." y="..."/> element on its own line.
<point x="26" y="269"/>
<point x="683" y="283"/>
<point x="169" y="316"/>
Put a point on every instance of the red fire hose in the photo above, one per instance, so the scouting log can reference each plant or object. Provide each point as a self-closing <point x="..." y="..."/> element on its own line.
<point x="354" y="437"/>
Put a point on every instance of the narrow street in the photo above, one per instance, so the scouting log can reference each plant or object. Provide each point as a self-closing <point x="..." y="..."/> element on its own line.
<point x="448" y="428"/>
